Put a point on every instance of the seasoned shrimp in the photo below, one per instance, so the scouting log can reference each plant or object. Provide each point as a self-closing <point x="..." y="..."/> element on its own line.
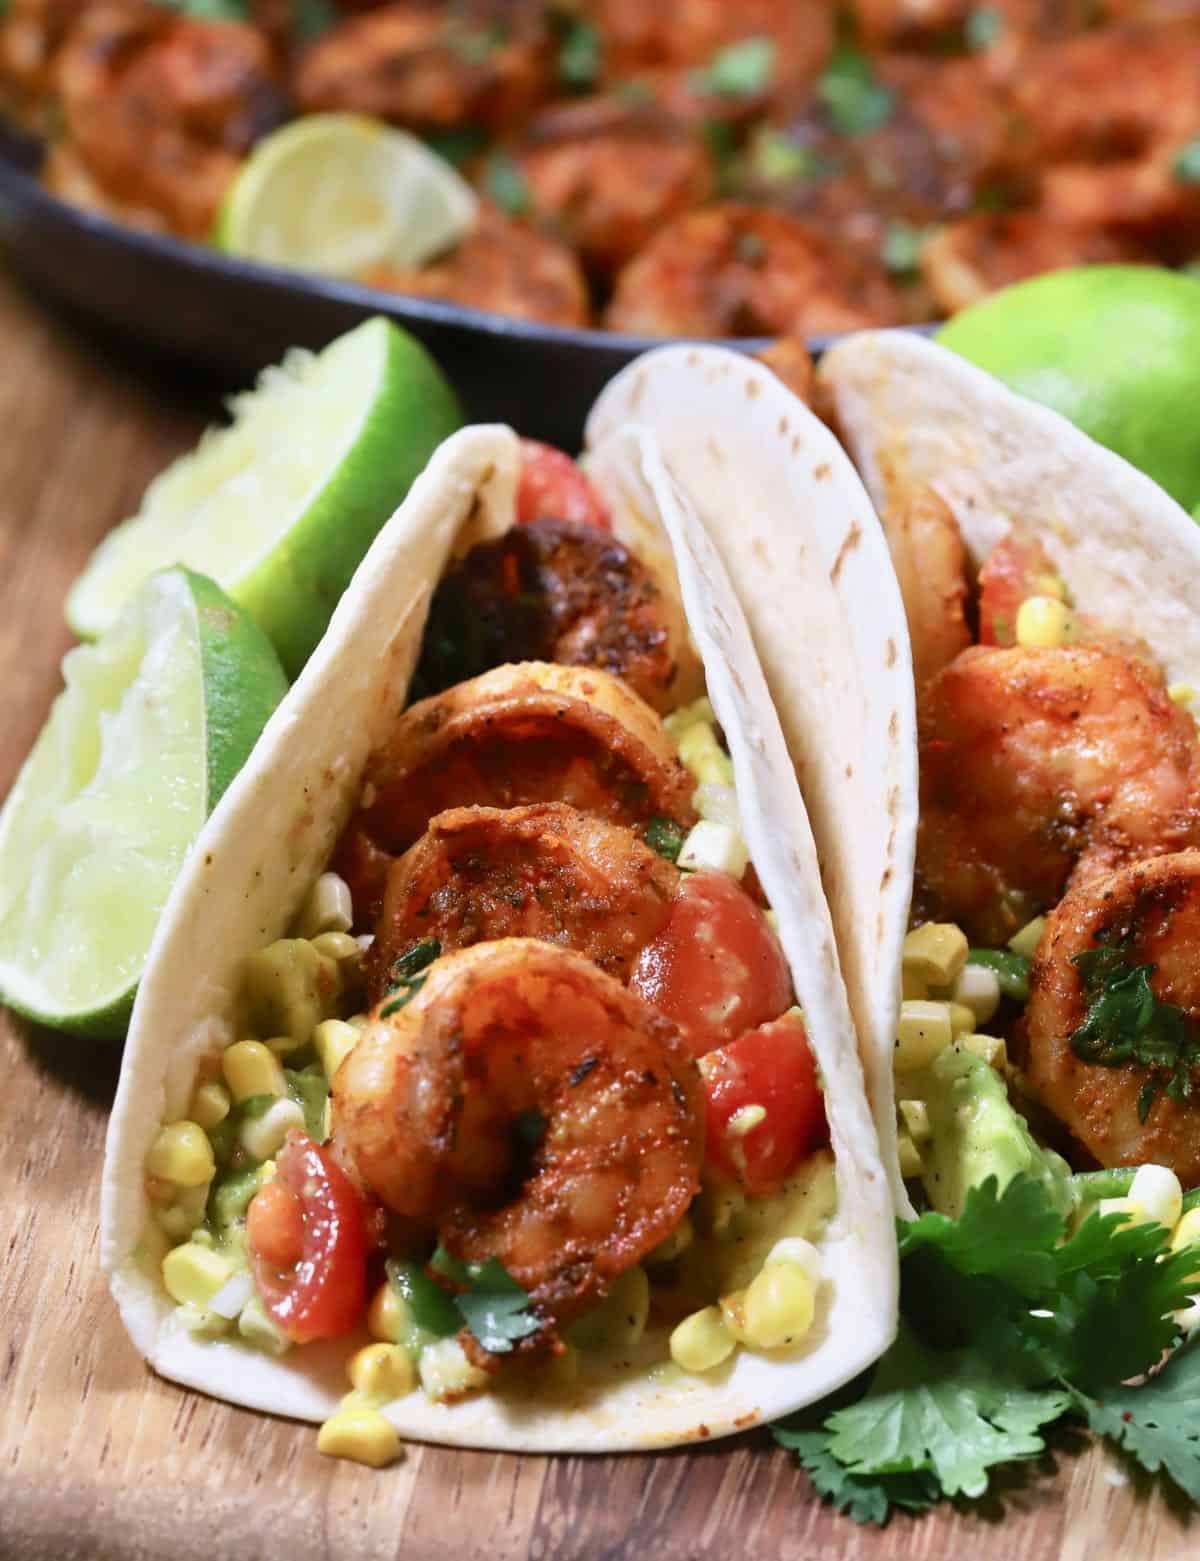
<point x="930" y="563"/>
<point x="516" y="735"/>
<point x="546" y="871"/>
<point x="501" y="266"/>
<point x="734" y="270"/>
<point x="158" y="108"/>
<point x="531" y="1109"/>
<point x="1036" y="763"/>
<point x="1148" y="913"/>
<point x="552" y="590"/>
<point x="430" y="66"/>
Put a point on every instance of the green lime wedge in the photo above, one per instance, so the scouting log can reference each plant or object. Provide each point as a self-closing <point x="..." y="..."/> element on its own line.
<point x="340" y="193"/>
<point x="154" y="722"/>
<point x="280" y="506"/>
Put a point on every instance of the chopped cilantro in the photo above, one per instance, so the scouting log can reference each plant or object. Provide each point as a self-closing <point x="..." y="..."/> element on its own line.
<point x="496" y="1308"/>
<point x="1187" y="162"/>
<point x="721" y="141"/>
<point x="406" y="995"/>
<point x="506" y="184"/>
<point x="476" y="45"/>
<point x="1011" y="970"/>
<point x="1127" y="1023"/>
<point x="867" y="1498"/>
<point x="853" y="95"/>
<point x="901" y="249"/>
<point x="739" y="71"/>
<point x="1158" y="1422"/>
<point x="459" y="145"/>
<point x="432" y="1307"/>
<point x="310" y="18"/>
<point x="580" y="54"/>
<point x="411" y="963"/>
<point x="983" y="26"/>
<point x="665" y="836"/>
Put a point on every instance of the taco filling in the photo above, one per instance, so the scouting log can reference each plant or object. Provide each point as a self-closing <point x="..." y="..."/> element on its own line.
<point x="523" y="1095"/>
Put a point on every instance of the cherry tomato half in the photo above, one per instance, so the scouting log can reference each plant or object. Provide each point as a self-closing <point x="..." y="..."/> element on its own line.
<point x="1015" y="569"/>
<point x="552" y="487"/>
<point x="772" y="1067"/>
<point x="324" y="1293"/>
<point x="716" y="968"/>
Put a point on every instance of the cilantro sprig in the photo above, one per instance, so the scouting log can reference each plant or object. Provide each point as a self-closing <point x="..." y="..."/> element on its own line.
<point x="1126" y="1023"/>
<point x="1010" y="1325"/>
<point x="485" y="1298"/>
<point x="409" y="973"/>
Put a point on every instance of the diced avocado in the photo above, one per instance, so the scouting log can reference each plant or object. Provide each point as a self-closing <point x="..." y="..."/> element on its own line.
<point x="619" y="1321"/>
<point x="309" y="1088"/>
<point x="289" y="988"/>
<point x="977" y="1133"/>
<point x="230" y="1197"/>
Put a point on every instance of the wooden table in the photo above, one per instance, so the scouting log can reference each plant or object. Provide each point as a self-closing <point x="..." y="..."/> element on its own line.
<point x="98" y="1458"/>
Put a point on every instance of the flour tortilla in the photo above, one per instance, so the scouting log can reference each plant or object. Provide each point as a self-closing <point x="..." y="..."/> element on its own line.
<point x="273" y="833"/>
<point x="912" y="412"/>
<point x="800" y="540"/>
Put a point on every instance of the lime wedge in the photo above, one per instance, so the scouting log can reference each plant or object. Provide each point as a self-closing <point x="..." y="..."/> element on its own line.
<point x="280" y="506"/>
<point x="340" y="193"/>
<point x="154" y="722"/>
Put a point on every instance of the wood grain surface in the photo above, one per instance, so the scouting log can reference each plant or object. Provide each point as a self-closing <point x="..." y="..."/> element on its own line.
<point x="98" y="1458"/>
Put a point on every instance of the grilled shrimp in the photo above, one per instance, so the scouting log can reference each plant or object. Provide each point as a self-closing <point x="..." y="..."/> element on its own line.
<point x="930" y="563"/>
<point x="736" y="270"/>
<point x="1037" y="764"/>
<point x="552" y="590"/>
<point x="545" y="871"/>
<point x="516" y="735"/>
<point x="158" y="108"/>
<point x="430" y="66"/>
<point x="530" y="1108"/>
<point x="503" y="267"/>
<point x="1147" y="913"/>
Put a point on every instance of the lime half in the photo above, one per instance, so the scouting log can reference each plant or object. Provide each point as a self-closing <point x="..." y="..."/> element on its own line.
<point x="280" y="507"/>
<point x="340" y="193"/>
<point x="154" y="722"/>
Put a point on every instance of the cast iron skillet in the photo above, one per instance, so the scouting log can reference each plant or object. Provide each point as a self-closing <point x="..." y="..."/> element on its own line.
<point x="231" y="317"/>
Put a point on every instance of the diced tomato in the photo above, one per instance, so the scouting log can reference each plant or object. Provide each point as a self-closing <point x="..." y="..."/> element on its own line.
<point x="716" y="968"/>
<point x="552" y="487"/>
<point x="1015" y="569"/>
<point x="324" y="1292"/>
<point x="772" y="1067"/>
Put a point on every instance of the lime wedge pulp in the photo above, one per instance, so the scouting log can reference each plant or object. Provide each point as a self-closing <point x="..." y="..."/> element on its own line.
<point x="280" y="507"/>
<point x="154" y="722"/>
<point x="340" y="194"/>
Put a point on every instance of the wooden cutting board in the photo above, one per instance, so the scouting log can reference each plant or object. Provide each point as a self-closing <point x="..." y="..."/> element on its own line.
<point x="98" y="1458"/>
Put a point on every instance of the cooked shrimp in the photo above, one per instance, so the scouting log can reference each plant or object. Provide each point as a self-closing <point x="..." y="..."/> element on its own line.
<point x="605" y="176"/>
<point x="159" y="108"/>
<point x="735" y="270"/>
<point x="504" y="267"/>
<point x="516" y="735"/>
<point x="930" y="563"/>
<point x="531" y="1109"/>
<point x="552" y="590"/>
<point x="1149" y="912"/>
<point x="430" y="66"/>
<point x="546" y="871"/>
<point x="1039" y="763"/>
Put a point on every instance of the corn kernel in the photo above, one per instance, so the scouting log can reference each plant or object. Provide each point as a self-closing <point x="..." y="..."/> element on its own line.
<point x="733" y="1314"/>
<point x="912" y="985"/>
<point x="924" y="1031"/>
<point x="337" y="945"/>
<point x="779" y="1306"/>
<point x="1122" y="1206"/>
<point x="185" y="1212"/>
<point x="1181" y="693"/>
<point x="936" y="951"/>
<point x="1046" y="584"/>
<point x="446" y="1373"/>
<point x="1045" y="622"/>
<point x="990" y="1047"/>
<point x="181" y="1153"/>
<point x="262" y="1137"/>
<point x="210" y="1104"/>
<point x="713" y="847"/>
<point x="1187" y="1231"/>
<point x="1188" y="1317"/>
<point x="327" y="1120"/>
<point x="911" y="1163"/>
<point x="327" y="908"/>
<point x="388" y="1316"/>
<point x="362" y="1436"/>
<point x="201" y="1324"/>
<point x="795" y="1249"/>
<point x="916" y="1120"/>
<point x="720" y="804"/>
<point x="1155" y="1190"/>
<point x="259" y="1329"/>
<point x="334" y="1041"/>
<point x="978" y="989"/>
<point x="702" y="754"/>
<point x="250" y="1068"/>
<point x="1027" y="939"/>
<point x="192" y="1273"/>
<point x="702" y="1341"/>
<point x="676" y="1243"/>
<point x="745" y="1120"/>
<point x="382" y="1370"/>
<point x="962" y="1019"/>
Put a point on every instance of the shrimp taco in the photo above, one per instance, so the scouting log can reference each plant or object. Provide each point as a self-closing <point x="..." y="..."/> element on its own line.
<point x="493" y="1051"/>
<point x="1053" y="598"/>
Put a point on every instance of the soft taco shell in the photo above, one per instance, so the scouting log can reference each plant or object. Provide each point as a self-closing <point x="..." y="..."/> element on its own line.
<point x="272" y="834"/>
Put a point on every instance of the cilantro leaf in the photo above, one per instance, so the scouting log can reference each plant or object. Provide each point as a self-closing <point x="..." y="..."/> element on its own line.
<point x="739" y="71"/>
<point x="952" y="1413"/>
<point x="854" y="97"/>
<point x="409" y="974"/>
<point x="580" y="54"/>
<point x="863" y="1497"/>
<point x="506" y="184"/>
<point x="496" y="1308"/>
<point x="1157" y="1422"/>
<point x="665" y="836"/>
<point x="432" y="1308"/>
<point x="1009" y="1236"/>
<point x="982" y="27"/>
